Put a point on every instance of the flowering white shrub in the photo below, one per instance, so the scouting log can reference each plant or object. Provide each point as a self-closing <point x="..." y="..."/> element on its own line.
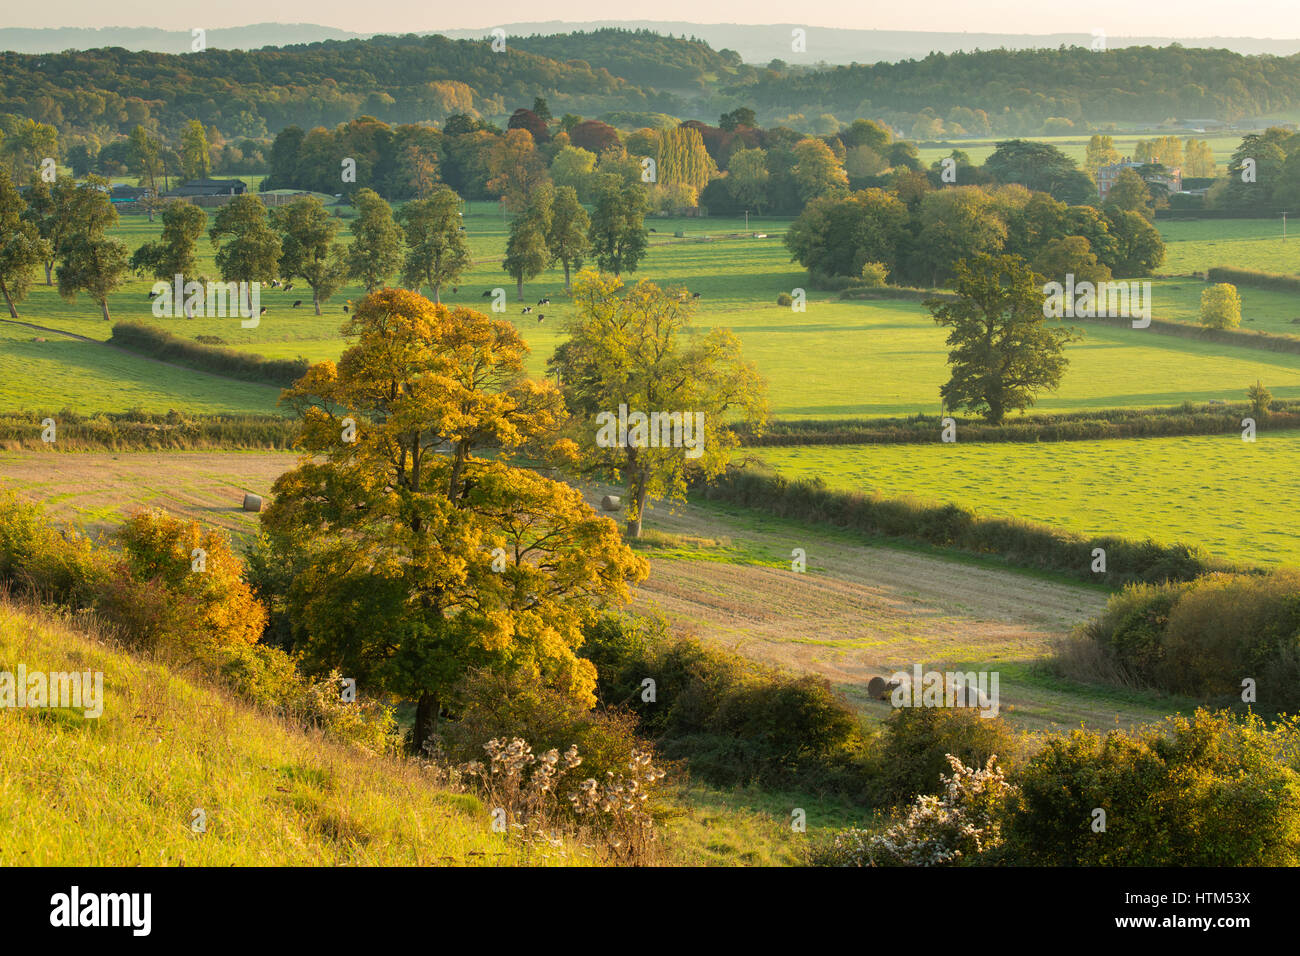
<point x="962" y="823"/>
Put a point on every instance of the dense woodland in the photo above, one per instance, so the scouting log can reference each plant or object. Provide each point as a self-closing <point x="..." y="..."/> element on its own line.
<point x="107" y="92"/>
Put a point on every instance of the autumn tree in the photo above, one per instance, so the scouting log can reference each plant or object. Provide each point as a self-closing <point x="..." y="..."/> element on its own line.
<point x="22" y="249"/>
<point x="307" y="247"/>
<point x="415" y="556"/>
<point x="247" y="248"/>
<point x="174" y="252"/>
<point x="436" y="251"/>
<point x="1002" y="351"/>
<point x="567" y="238"/>
<point x="817" y="172"/>
<point x="89" y="260"/>
<point x="636" y="348"/>
<point x="516" y="168"/>
<point x="196" y="158"/>
<point x="618" y="235"/>
<point x="376" y="249"/>
<point x="1101" y="152"/>
<point x="1221" y="306"/>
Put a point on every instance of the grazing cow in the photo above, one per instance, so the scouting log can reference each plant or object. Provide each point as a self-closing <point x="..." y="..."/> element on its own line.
<point x="345" y="308"/>
<point x="527" y="309"/>
<point x="654" y="230"/>
<point x="263" y="312"/>
<point x="695" y="295"/>
<point x="296" y="304"/>
<point x="540" y="319"/>
<point x="543" y="301"/>
<point x="487" y="294"/>
<point x="275" y="283"/>
<point x="152" y="294"/>
<point x="288" y="286"/>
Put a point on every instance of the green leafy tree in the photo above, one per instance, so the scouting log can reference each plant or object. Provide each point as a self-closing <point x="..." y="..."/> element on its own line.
<point x="1101" y="152"/>
<point x="436" y="251"/>
<point x="837" y="235"/>
<point x="618" y="236"/>
<point x="526" y="251"/>
<point x="376" y="250"/>
<point x="957" y="223"/>
<point x="174" y="252"/>
<point x="247" y="248"/>
<point x="747" y="178"/>
<point x="416" y="558"/>
<point x="1002" y="351"/>
<point x="636" y="348"/>
<point x="146" y="163"/>
<point x="22" y="249"/>
<point x="1260" y="399"/>
<point x="1129" y="193"/>
<point x="1139" y="248"/>
<point x="567" y="238"/>
<point x="90" y="261"/>
<point x="307" y="247"/>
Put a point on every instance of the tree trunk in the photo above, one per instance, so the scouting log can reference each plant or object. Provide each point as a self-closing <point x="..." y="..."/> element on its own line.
<point x="426" y="720"/>
<point x="520" y="287"/>
<point x="103" y="305"/>
<point x="13" y="313"/>
<point x="639" y="495"/>
<point x="566" y="275"/>
<point x="49" y="266"/>
<point x="437" y="293"/>
<point x="315" y="300"/>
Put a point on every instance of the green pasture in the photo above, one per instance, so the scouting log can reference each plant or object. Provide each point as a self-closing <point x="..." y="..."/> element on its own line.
<point x="1240" y="500"/>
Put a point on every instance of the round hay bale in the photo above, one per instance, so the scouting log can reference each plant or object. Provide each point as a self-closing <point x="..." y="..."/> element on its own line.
<point x="876" y="688"/>
<point x="252" y="503"/>
<point x="611" y="503"/>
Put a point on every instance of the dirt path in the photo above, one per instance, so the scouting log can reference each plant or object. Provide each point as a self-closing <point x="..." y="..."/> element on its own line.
<point x="859" y="610"/>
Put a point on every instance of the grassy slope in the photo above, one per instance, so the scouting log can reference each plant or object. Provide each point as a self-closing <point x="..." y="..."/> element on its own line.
<point x="120" y="790"/>
<point x="1198" y="489"/>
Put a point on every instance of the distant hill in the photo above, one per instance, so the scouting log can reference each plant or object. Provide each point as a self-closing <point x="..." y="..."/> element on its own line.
<point x="754" y="44"/>
<point x="149" y="39"/>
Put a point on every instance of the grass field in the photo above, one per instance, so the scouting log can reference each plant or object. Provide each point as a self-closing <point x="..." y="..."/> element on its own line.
<point x="837" y="359"/>
<point x="1240" y="500"/>
<point x="1197" y="245"/>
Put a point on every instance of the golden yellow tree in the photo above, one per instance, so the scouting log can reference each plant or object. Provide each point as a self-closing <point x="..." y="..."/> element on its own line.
<point x="416" y="555"/>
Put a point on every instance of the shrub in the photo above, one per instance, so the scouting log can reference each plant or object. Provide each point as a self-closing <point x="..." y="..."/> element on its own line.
<point x="918" y="741"/>
<point x="1221" y="307"/>
<point x="962" y="826"/>
<point x="161" y="344"/>
<point x="1204" y="637"/>
<point x="733" y="720"/>
<point x="201" y="578"/>
<point x="1205" y="790"/>
<point x="784" y="299"/>
<point x="874" y="275"/>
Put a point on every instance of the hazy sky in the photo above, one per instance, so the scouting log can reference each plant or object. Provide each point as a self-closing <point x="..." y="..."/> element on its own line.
<point x="1278" y="19"/>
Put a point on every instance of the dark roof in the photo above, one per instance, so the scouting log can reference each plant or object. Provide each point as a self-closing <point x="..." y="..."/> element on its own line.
<point x="210" y="187"/>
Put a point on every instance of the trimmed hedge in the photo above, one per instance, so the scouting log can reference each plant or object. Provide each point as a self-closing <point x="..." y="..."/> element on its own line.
<point x="136" y="429"/>
<point x="163" y="345"/>
<point x="1074" y="426"/>
<point x="1255" y="279"/>
<point x="1019" y="543"/>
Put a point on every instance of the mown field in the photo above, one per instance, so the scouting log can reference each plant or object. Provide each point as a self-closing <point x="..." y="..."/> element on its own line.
<point x="1239" y="500"/>
<point x="837" y="359"/>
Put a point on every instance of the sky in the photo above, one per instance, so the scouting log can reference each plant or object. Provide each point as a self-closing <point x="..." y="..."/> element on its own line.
<point x="1275" y="19"/>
